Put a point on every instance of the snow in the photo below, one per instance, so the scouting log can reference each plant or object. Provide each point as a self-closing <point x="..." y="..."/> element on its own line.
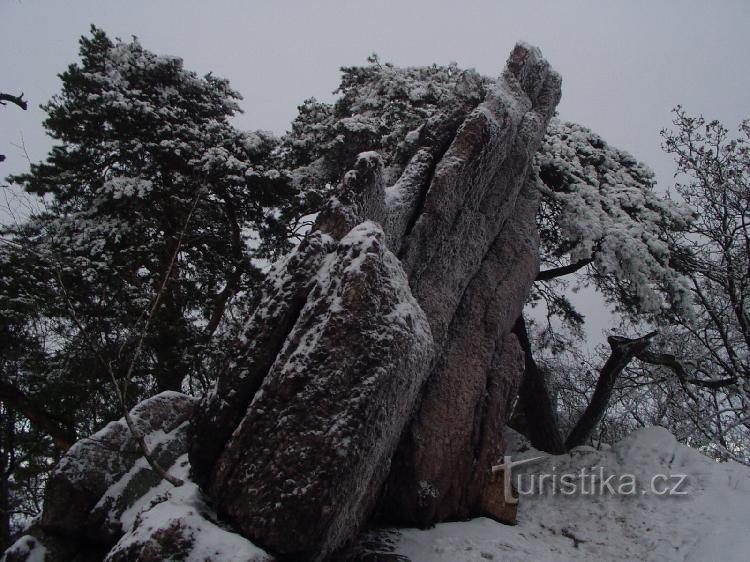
<point x="606" y="209"/>
<point x="167" y="507"/>
<point x="708" y="522"/>
<point x="27" y="548"/>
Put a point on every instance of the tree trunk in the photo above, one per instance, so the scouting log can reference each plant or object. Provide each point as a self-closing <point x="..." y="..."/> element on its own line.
<point x="535" y="403"/>
<point x="623" y="352"/>
<point x="6" y="468"/>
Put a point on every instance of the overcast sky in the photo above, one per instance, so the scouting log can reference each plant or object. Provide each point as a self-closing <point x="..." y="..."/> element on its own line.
<point x="624" y="64"/>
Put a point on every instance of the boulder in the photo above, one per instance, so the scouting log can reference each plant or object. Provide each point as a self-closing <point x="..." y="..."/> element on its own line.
<point x="303" y="470"/>
<point x="93" y="464"/>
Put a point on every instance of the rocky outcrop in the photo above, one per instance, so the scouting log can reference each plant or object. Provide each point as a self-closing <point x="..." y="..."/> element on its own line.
<point x="377" y="369"/>
<point x="314" y="448"/>
<point x="102" y="478"/>
<point x="310" y="413"/>
<point x="95" y="463"/>
<point x="442" y="469"/>
<point x="315" y="439"/>
<point x="471" y="257"/>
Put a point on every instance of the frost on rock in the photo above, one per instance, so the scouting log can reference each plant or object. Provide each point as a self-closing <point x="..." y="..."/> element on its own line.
<point x="282" y="298"/>
<point x="138" y="516"/>
<point x="26" y="549"/>
<point x="325" y="394"/>
<point x="171" y="523"/>
<point x="471" y="256"/>
<point x="303" y="470"/>
<point x="93" y="464"/>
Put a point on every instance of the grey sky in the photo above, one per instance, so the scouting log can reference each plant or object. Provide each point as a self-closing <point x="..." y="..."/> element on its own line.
<point x="624" y="64"/>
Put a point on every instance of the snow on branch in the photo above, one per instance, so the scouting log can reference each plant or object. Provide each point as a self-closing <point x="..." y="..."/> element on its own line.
<point x="17" y="100"/>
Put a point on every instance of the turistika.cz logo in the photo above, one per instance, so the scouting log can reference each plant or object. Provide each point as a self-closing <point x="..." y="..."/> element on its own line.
<point x="588" y="481"/>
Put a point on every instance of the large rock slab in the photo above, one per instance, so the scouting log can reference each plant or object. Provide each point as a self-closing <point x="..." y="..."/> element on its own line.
<point x="283" y="296"/>
<point x="471" y="256"/>
<point x="303" y="470"/>
<point x="443" y="466"/>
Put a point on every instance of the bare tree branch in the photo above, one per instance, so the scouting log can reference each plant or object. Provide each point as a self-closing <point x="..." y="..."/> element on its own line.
<point x="670" y="361"/>
<point x="17" y="100"/>
<point x="548" y="274"/>
<point x="623" y="352"/>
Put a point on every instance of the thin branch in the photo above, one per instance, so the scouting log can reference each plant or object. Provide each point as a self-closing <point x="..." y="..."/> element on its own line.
<point x="234" y="278"/>
<point x="670" y="361"/>
<point x="161" y="292"/>
<point x="121" y="391"/>
<point x="548" y="274"/>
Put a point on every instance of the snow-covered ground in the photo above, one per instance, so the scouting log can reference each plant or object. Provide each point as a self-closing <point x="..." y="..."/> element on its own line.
<point x="619" y="505"/>
<point x="708" y="520"/>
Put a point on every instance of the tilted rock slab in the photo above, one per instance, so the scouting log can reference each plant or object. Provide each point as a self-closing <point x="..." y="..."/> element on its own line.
<point x="305" y="466"/>
<point x="471" y="257"/>
<point x="316" y="421"/>
<point x="336" y="357"/>
<point x="379" y="366"/>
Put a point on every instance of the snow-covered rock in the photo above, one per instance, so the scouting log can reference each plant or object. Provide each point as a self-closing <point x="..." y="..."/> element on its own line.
<point x="304" y="468"/>
<point x="295" y="443"/>
<point x="283" y="296"/>
<point x="95" y="463"/>
<point x="169" y="523"/>
<point x="472" y="256"/>
<point x="136" y="515"/>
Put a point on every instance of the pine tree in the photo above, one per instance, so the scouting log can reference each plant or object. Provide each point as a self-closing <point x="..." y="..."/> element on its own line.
<point x="146" y="150"/>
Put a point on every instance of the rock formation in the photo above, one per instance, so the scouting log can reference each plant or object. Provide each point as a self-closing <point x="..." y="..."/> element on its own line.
<point x="351" y="367"/>
<point x="471" y="257"/>
<point x="376" y="373"/>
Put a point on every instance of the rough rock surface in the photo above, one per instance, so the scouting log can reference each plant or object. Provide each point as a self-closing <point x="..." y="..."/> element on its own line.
<point x="95" y="463"/>
<point x="374" y="375"/>
<point x="102" y="476"/>
<point x="461" y="221"/>
<point x="443" y="466"/>
<point x="161" y="522"/>
<point x="304" y="468"/>
<point x="283" y="297"/>
<point x="471" y="257"/>
<point x="171" y="523"/>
